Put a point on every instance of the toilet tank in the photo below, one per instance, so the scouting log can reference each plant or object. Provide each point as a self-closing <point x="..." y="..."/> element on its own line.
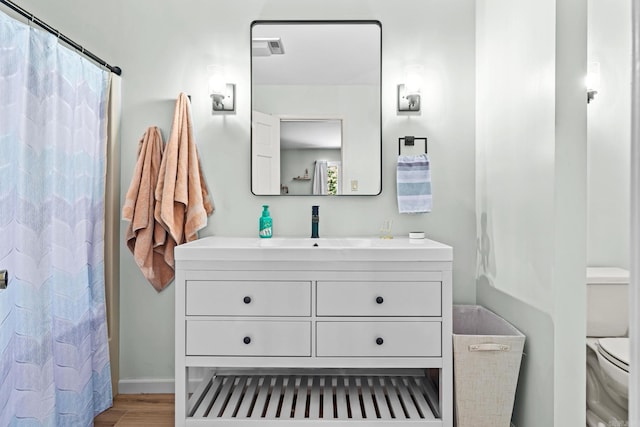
<point x="607" y="302"/>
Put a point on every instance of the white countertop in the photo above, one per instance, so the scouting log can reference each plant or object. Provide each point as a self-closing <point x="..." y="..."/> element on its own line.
<point x="304" y="249"/>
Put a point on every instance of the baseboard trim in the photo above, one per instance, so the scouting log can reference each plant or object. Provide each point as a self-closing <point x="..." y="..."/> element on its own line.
<point x="146" y="386"/>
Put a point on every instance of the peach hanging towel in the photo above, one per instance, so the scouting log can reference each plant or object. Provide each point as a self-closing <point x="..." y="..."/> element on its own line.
<point x="145" y="237"/>
<point x="182" y="194"/>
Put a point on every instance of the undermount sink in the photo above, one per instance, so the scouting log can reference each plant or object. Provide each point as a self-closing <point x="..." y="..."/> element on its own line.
<point x="334" y="249"/>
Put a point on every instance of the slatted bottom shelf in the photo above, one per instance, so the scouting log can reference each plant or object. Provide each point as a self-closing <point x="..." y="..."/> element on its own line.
<point x="315" y="397"/>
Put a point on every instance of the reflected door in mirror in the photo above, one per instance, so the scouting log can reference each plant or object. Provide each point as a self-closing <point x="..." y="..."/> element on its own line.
<point x="265" y="161"/>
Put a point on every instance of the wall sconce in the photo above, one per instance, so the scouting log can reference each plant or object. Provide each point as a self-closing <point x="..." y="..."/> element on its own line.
<point x="592" y="80"/>
<point x="222" y="94"/>
<point x="409" y="92"/>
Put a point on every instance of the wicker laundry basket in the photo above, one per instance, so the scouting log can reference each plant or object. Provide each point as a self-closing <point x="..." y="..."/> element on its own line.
<point x="487" y="351"/>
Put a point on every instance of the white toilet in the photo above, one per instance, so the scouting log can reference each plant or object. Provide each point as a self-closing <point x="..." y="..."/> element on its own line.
<point x="607" y="346"/>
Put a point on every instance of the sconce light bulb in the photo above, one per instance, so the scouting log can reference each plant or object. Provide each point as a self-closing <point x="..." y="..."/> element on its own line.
<point x="222" y="93"/>
<point x="413" y="79"/>
<point x="413" y="87"/>
<point x="216" y="85"/>
<point x="592" y="80"/>
<point x="217" y="81"/>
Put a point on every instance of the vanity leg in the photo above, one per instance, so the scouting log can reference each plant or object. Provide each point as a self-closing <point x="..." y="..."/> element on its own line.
<point x="446" y="375"/>
<point x="180" y="350"/>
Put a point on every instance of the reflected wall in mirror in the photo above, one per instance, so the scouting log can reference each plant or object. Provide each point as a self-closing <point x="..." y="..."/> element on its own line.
<point x="316" y="111"/>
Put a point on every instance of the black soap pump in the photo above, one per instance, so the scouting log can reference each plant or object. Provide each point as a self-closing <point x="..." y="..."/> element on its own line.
<point x="315" y="219"/>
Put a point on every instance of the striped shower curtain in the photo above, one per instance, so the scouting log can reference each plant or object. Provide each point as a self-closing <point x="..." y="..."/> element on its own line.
<point x="54" y="357"/>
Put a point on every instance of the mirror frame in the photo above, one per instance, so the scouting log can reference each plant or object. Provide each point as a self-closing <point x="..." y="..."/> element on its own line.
<point x="314" y="22"/>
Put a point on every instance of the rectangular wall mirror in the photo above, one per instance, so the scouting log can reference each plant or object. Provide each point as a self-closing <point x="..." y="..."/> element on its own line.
<point x="316" y="108"/>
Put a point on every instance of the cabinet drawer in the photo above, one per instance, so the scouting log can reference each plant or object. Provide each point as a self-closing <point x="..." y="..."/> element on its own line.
<point x="248" y="338"/>
<point x="381" y="339"/>
<point x="248" y="298"/>
<point x="379" y="299"/>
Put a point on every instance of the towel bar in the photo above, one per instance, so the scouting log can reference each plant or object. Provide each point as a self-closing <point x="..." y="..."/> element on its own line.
<point x="409" y="141"/>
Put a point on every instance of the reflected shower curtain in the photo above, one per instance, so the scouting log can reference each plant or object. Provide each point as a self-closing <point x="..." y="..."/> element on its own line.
<point x="54" y="358"/>
<point x="320" y="181"/>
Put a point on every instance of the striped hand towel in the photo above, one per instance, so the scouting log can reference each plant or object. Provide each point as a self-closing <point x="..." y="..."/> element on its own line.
<point x="414" y="184"/>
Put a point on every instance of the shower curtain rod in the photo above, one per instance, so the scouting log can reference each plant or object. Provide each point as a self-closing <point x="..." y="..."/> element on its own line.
<point x="67" y="40"/>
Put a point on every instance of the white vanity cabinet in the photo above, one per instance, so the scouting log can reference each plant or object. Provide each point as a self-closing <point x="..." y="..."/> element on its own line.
<point x="282" y="332"/>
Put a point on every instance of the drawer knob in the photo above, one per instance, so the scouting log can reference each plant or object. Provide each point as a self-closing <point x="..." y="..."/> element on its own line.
<point x="379" y="341"/>
<point x="246" y="300"/>
<point x="379" y="300"/>
<point x="246" y="340"/>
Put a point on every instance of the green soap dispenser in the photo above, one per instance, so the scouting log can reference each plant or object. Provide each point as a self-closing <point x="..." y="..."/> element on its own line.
<point x="266" y="223"/>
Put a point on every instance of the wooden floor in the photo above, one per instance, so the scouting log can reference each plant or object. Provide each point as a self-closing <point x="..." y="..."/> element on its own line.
<point x="155" y="410"/>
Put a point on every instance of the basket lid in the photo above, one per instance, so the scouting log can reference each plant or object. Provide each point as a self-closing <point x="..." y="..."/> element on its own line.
<point x="605" y="275"/>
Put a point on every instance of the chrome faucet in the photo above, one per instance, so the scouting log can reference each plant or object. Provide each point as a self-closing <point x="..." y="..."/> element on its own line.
<point x="315" y="219"/>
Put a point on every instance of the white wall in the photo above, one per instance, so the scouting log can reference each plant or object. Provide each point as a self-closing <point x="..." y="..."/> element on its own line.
<point x="515" y="143"/>
<point x="531" y="191"/>
<point x="609" y="140"/>
<point x="164" y="48"/>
